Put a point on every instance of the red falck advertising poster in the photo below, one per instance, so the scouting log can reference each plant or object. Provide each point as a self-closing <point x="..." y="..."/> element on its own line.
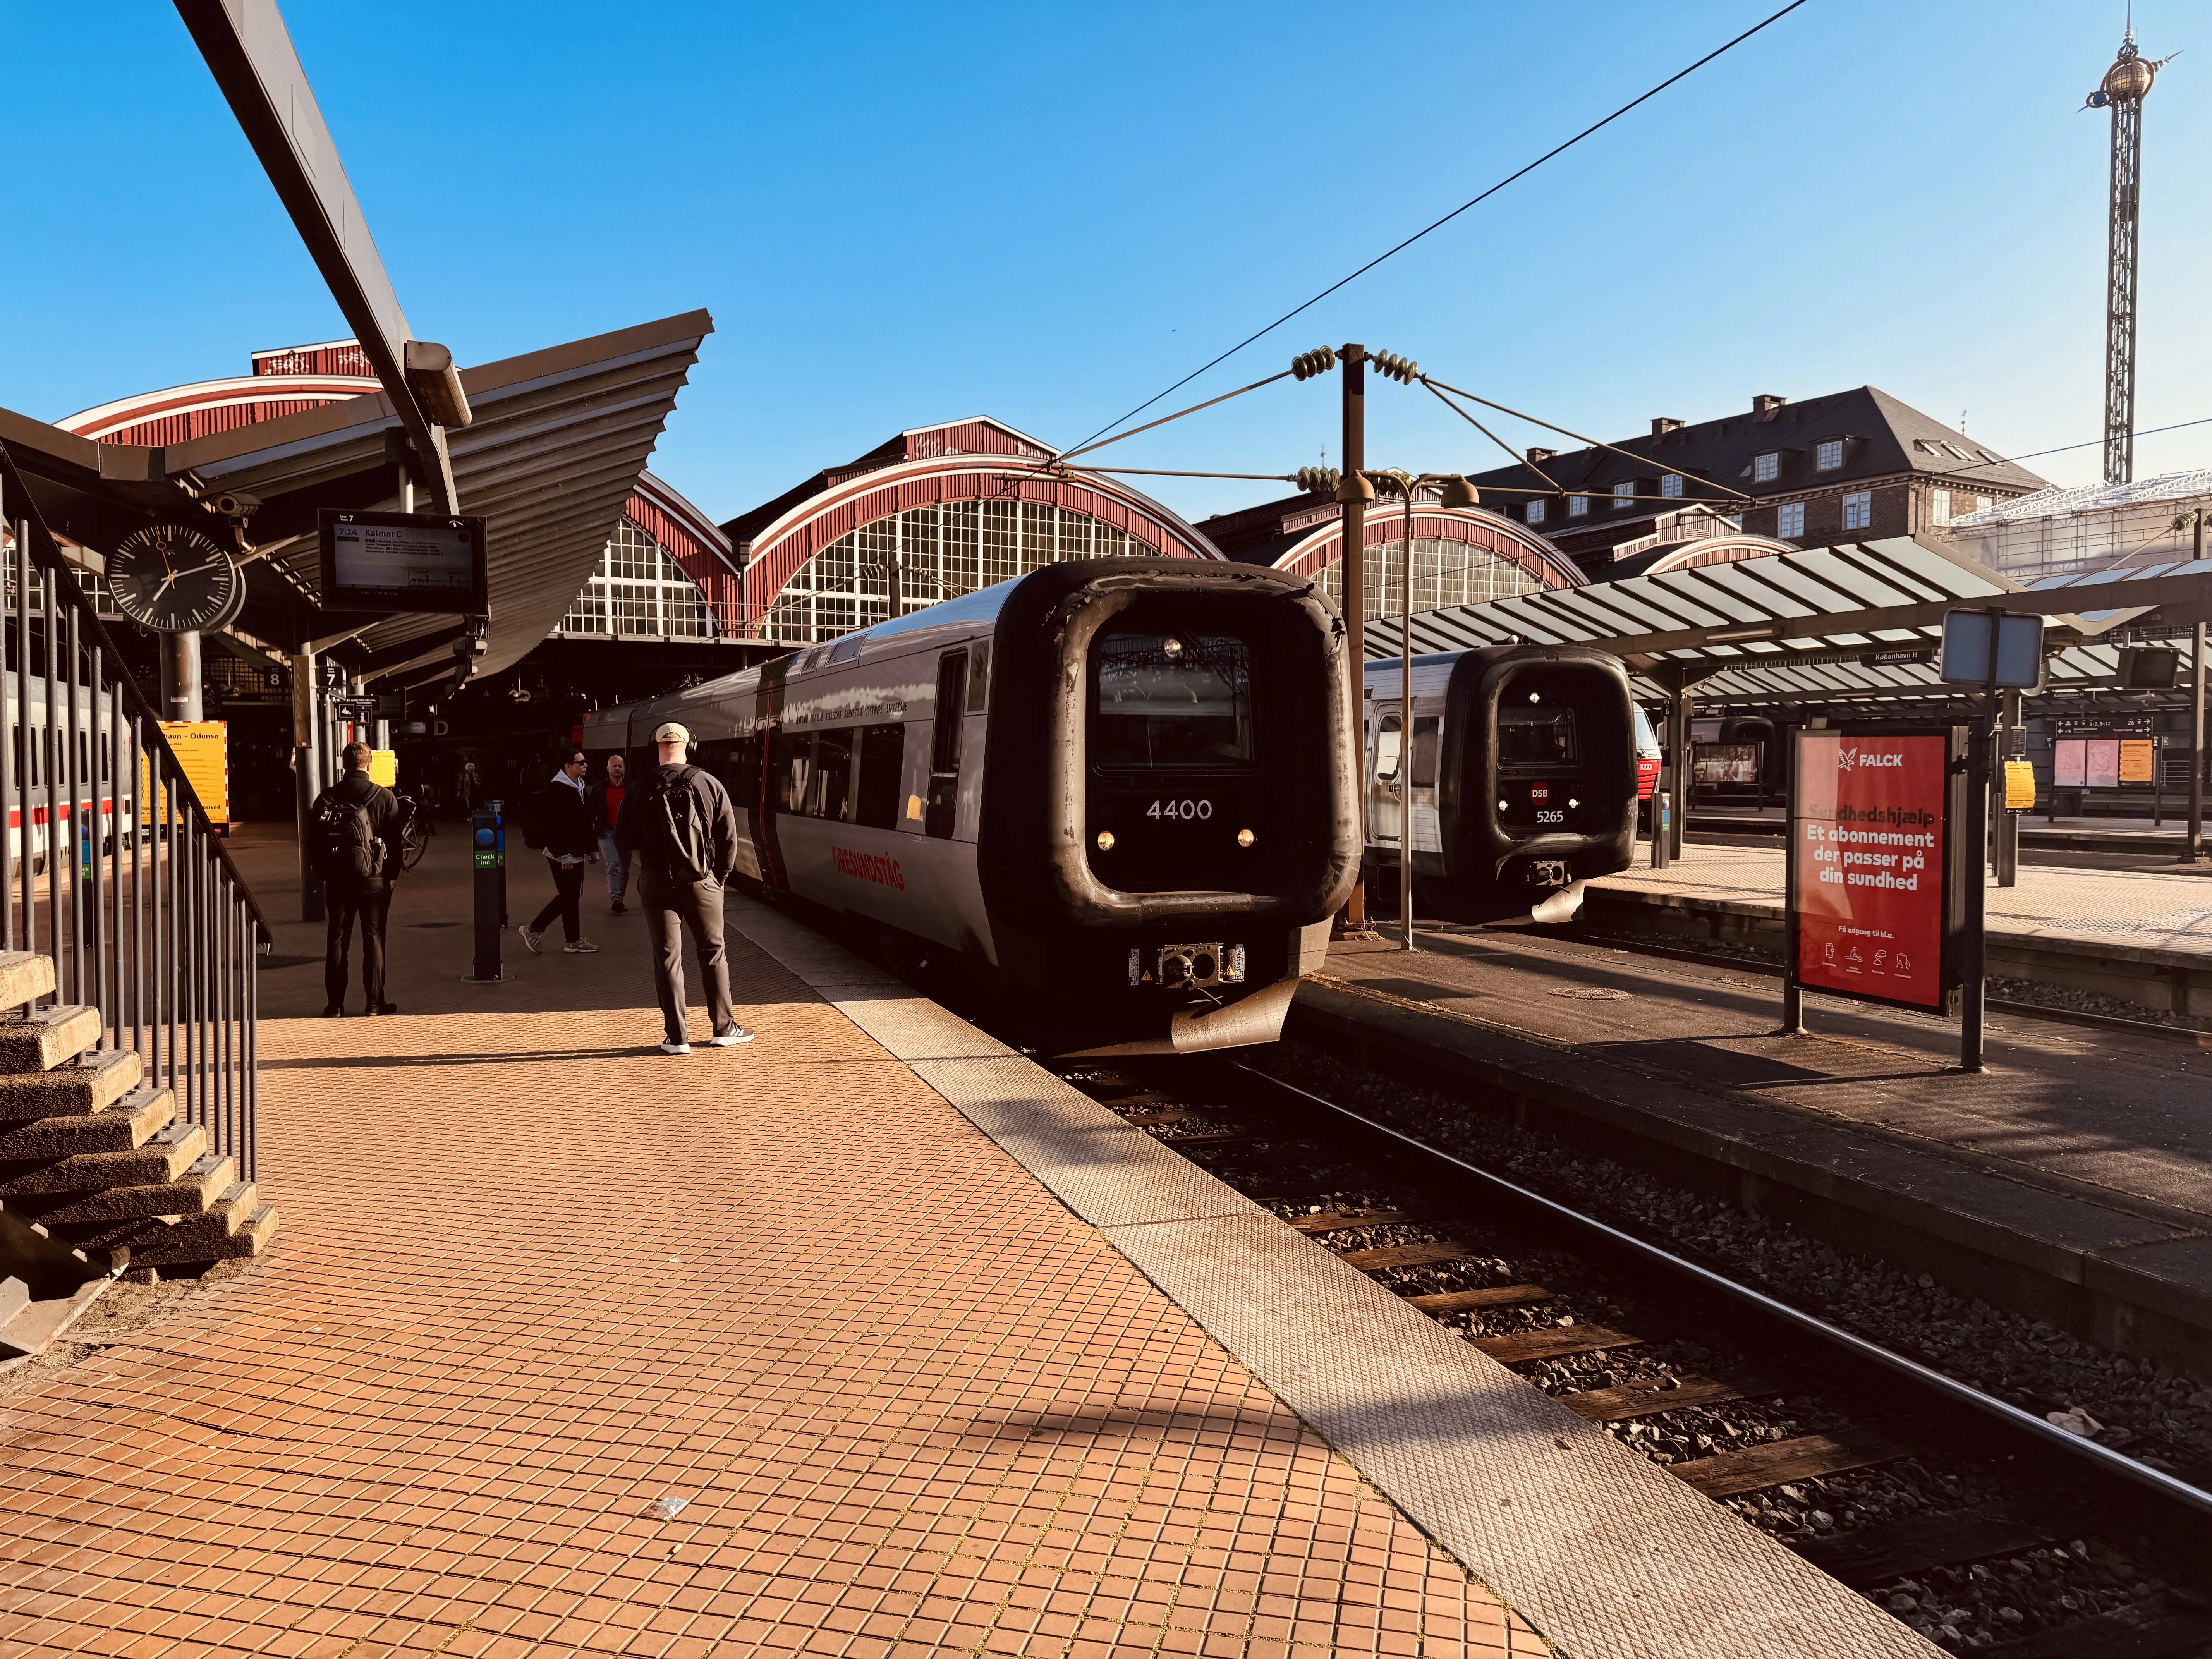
<point x="1869" y="865"/>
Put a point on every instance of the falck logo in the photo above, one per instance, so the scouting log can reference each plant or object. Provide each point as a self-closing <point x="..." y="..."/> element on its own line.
<point x="1848" y="758"/>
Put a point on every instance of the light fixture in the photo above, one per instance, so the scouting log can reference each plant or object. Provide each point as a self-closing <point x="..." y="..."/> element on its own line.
<point x="436" y="383"/>
<point x="1458" y="492"/>
<point x="1245" y="838"/>
<point x="1105" y="841"/>
<point x="1355" y="488"/>
<point x="1172" y="646"/>
<point x="1535" y="696"/>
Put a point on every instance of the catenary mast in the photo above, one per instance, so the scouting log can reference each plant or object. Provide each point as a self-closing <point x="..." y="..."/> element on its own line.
<point x="2123" y="90"/>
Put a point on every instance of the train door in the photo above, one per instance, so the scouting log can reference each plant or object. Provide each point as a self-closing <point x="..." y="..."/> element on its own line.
<point x="945" y="744"/>
<point x="1385" y="799"/>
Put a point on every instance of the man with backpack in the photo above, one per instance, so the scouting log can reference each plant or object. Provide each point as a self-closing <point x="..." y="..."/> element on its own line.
<point x="354" y="831"/>
<point x="682" y="833"/>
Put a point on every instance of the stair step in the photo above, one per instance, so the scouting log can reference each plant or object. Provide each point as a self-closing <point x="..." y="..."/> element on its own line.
<point x="192" y="1242"/>
<point x="15" y="1297"/>
<point x="191" y="1193"/>
<point x="46" y="1036"/>
<point x="29" y="1251"/>
<point x="34" y="1328"/>
<point x="164" y="1157"/>
<point x="91" y="1083"/>
<point x="131" y="1122"/>
<point x="23" y="976"/>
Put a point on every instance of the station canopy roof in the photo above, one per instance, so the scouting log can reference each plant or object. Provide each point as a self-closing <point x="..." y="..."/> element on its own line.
<point x="1857" y="621"/>
<point x="559" y="441"/>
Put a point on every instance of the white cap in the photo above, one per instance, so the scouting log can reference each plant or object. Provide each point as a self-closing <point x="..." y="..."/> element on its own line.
<point x="670" y="731"/>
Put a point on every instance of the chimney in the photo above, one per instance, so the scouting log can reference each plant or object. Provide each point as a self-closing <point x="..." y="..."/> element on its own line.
<point x="1766" y="402"/>
<point x="1538" y="457"/>
<point x="1663" y="424"/>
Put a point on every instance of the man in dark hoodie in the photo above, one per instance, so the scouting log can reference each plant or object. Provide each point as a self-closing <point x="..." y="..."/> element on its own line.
<point x="354" y="825"/>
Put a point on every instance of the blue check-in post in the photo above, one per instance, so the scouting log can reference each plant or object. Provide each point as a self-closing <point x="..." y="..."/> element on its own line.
<point x="488" y="843"/>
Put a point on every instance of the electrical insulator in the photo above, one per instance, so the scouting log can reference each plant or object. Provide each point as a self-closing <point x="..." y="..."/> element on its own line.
<point x="1404" y="373"/>
<point x="1319" y="360"/>
<point x="1322" y="478"/>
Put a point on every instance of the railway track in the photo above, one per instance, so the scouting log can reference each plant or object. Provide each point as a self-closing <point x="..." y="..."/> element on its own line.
<point x="1984" y="1526"/>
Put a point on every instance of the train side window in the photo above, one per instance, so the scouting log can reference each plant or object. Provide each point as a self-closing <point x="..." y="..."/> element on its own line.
<point x="951" y="698"/>
<point x="1425" y="751"/>
<point x="793" y="763"/>
<point x="945" y="744"/>
<point x="1387" y="744"/>
<point x="883" y="766"/>
<point x="745" y="771"/>
<point x="831" y="794"/>
<point x="979" y="678"/>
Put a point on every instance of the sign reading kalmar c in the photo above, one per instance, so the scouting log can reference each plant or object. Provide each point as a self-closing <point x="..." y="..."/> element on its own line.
<point x="1870" y="897"/>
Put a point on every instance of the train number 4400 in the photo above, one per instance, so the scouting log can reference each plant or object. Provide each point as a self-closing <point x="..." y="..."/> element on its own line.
<point x="1181" y="809"/>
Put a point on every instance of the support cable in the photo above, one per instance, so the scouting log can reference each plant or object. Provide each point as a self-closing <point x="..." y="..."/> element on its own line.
<point x="1641" y="461"/>
<point x="1557" y="149"/>
<point x="1086" y="446"/>
<point x="1437" y="391"/>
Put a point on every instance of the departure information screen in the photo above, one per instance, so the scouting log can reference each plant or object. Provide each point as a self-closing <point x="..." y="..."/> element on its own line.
<point x="402" y="561"/>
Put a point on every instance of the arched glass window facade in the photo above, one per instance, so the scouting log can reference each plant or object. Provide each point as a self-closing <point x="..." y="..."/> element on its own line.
<point x="639" y="592"/>
<point x="1444" y="573"/>
<point x="937" y="552"/>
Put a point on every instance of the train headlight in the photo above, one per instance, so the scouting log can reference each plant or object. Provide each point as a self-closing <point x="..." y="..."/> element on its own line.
<point x="1535" y="696"/>
<point x="1105" y="841"/>
<point x="1571" y="801"/>
<point x="1245" y="837"/>
<point x="1173" y="648"/>
<point x="1502" y="808"/>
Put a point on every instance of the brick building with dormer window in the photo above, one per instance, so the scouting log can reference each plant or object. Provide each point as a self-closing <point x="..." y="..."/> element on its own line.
<point x="1854" y="465"/>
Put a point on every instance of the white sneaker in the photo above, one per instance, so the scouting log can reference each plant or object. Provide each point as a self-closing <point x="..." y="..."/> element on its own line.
<point x="529" y="938"/>
<point x="675" y="1047"/>
<point x="731" y="1038"/>
<point x="582" y="947"/>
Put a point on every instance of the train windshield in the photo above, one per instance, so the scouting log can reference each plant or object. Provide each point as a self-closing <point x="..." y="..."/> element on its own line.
<point x="1536" y="734"/>
<point x="1172" y="701"/>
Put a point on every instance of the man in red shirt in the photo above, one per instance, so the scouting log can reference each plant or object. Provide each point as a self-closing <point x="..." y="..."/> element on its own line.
<point x="607" y="811"/>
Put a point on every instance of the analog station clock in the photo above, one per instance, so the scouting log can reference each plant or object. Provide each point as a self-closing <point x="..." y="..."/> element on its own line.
<point x="175" y="580"/>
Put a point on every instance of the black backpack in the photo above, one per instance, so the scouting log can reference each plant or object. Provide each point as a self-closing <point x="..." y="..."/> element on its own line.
<point x="347" y="848"/>
<point x="678" y="832"/>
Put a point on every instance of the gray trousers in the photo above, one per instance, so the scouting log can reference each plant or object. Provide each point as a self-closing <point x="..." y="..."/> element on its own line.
<point x="699" y="908"/>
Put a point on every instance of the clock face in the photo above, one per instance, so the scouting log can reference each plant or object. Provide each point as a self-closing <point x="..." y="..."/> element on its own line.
<point x="175" y="579"/>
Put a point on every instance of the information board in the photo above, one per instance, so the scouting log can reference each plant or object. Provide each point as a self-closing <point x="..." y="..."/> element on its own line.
<point x="203" y="750"/>
<point x="402" y="561"/>
<point x="2138" y="760"/>
<point x="1869" y="901"/>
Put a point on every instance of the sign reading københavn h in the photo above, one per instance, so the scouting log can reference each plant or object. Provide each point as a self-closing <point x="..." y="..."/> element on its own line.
<point x="1871" y="910"/>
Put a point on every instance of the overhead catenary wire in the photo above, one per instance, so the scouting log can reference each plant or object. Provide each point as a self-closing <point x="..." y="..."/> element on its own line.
<point x="1435" y="393"/>
<point x="1595" y="443"/>
<point x="1473" y="201"/>
<point x="1086" y="446"/>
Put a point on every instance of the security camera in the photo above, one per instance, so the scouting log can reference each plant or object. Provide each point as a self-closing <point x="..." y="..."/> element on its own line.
<point x="235" y="505"/>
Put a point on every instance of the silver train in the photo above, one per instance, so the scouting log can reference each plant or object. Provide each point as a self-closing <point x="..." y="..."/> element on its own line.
<point x="1123" y="787"/>
<point x="1520" y="784"/>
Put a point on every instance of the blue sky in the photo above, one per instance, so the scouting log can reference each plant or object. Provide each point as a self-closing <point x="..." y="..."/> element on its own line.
<point x="901" y="214"/>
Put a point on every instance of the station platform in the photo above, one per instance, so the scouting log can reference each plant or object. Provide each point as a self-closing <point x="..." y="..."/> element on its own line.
<point x="2071" y="1180"/>
<point x="2137" y="937"/>
<point x="868" y="1338"/>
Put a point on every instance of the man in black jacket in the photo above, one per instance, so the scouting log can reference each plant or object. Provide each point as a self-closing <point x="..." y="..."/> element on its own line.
<point x="666" y="892"/>
<point x="562" y="829"/>
<point x="338" y="855"/>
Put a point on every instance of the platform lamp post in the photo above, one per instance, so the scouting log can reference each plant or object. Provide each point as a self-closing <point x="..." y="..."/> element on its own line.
<point x="1456" y="493"/>
<point x="2191" y="849"/>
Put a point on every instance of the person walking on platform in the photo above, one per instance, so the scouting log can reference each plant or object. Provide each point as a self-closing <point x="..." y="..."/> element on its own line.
<point x="561" y="828"/>
<point x="355" y="826"/>
<point x="683" y="831"/>
<point x="606" y="799"/>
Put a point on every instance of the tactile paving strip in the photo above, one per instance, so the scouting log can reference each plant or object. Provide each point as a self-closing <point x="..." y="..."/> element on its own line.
<point x="1610" y="1556"/>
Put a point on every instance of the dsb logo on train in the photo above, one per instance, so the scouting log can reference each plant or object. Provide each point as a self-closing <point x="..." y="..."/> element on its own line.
<point x="1544" y="806"/>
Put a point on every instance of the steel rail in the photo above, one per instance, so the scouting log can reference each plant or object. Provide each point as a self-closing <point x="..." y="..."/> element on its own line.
<point x="1957" y="1392"/>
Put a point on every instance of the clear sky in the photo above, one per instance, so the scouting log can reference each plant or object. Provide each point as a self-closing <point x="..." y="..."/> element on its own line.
<point x="901" y="214"/>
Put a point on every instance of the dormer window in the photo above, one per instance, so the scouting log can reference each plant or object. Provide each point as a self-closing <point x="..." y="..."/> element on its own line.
<point x="1828" y="455"/>
<point x="1670" y="486"/>
<point x="1766" y="468"/>
<point x="1536" y="512"/>
<point x="1624" y="495"/>
<point x="1579" y="506"/>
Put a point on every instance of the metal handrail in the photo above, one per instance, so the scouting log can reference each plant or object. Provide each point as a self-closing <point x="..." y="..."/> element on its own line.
<point x="152" y="924"/>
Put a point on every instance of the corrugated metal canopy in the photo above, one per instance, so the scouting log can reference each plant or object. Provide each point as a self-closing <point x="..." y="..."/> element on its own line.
<point x="1805" y="626"/>
<point x="559" y="439"/>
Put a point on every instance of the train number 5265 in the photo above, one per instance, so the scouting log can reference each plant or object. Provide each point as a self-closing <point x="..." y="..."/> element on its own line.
<point x="1181" y="809"/>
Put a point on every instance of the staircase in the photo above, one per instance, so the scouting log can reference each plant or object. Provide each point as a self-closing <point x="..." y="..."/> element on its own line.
<point x="96" y="1173"/>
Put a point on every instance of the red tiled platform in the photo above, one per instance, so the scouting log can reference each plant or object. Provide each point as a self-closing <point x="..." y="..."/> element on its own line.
<point x="535" y="1277"/>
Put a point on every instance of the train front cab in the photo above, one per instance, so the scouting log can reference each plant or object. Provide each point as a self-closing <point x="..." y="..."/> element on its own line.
<point x="1170" y="866"/>
<point x="1526" y="788"/>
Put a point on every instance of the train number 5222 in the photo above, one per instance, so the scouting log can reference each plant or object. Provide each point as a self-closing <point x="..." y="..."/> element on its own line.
<point x="1181" y="809"/>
